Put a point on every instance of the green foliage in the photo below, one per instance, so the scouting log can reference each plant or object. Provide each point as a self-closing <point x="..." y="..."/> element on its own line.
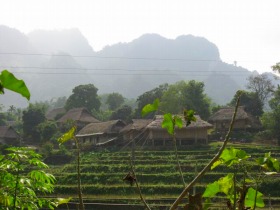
<point x="114" y="100"/>
<point x="84" y="96"/>
<point x="32" y="117"/>
<point x="189" y="95"/>
<point x="251" y="102"/>
<point x="10" y="82"/>
<point x="243" y="189"/>
<point x="276" y="67"/>
<point x="122" y="113"/>
<point x="150" y="107"/>
<point x="231" y="156"/>
<point x="102" y="115"/>
<point x="23" y="178"/>
<point x="189" y="116"/>
<point x="268" y="163"/>
<point x="254" y="198"/>
<point x="271" y="120"/>
<point x="148" y="98"/>
<point x="261" y="85"/>
<point x="47" y="130"/>
<point x="67" y="136"/>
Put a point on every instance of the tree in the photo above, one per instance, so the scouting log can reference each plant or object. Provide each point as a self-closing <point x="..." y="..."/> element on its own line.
<point x="271" y="120"/>
<point x="148" y="97"/>
<point x="31" y="118"/>
<point x="114" y="100"/>
<point x="84" y="96"/>
<point x="261" y="85"/>
<point x="47" y="130"/>
<point x="276" y="67"/>
<point x="251" y="102"/>
<point x="186" y="95"/>
<point x="58" y="102"/>
<point x="122" y="113"/>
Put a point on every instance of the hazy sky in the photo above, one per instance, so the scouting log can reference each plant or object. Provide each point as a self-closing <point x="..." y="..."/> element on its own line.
<point x="246" y="31"/>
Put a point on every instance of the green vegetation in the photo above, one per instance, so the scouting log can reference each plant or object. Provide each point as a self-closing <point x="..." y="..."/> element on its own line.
<point x="84" y="96"/>
<point x="102" y="174"/>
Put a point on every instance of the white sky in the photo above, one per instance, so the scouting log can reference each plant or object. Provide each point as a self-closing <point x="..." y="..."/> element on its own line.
<point x="247" y="31"/>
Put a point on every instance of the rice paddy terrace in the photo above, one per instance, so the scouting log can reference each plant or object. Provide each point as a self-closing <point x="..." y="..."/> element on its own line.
<point x="102" y="176"/>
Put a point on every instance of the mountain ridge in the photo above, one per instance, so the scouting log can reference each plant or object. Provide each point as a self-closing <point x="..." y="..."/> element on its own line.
<point x="130" y="68"/>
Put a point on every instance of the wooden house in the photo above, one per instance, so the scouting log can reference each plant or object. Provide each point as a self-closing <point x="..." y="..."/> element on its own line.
<point x="80" y="116"/>
<point x="100" y="133"/>
<point x="195" y="133"/>
<point x="135" y="130"/>
<point x="9" y="136"/>
<point x="243" y="121"/>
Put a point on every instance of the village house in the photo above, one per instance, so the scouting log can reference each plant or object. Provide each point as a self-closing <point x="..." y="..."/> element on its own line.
<point x="54" y="113"/>
<point x="80" y="116"/>
<point x="195" y="133"/>
<point x="9" y="136"/>
<point x="135" y="130"/>
<point x="243" y="121"/>
<point x="101" y="133"/>
<point x="151" y="133"/>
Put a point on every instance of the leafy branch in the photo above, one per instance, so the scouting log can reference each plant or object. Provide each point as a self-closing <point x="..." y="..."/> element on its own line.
<point x="70" y="135"/>
<point x="209" y="165"/>
<point x="170" y="122"/>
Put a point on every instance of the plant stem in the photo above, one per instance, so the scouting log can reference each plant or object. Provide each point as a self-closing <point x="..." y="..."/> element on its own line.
<point x="16" y="187"/>
<point x="234" y="189"/>
<point x="137" y="185"/>
<point x="208" y="166"/>
<point x="81" y="204"/>
<point x="178" y="162"/>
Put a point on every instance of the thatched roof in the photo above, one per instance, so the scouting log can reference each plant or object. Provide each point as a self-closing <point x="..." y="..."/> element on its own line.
<point x="136" y="124"/>
<point x="54" y="112"/>
<point x="199" y="123"/>
<point x="113" y="126"/>
<point x="8" y="132"/>
<point x="226" y="113"/>
<point x="78" y="114"/>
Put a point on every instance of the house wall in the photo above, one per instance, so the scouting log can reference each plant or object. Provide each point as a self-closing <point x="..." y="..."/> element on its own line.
<point x="95" y="139"/>
<point x="160" y="137"/>
<point x="238" y="124"/>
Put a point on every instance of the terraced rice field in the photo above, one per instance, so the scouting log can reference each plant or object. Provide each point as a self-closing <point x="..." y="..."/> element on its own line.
<point x="157" y="173"/>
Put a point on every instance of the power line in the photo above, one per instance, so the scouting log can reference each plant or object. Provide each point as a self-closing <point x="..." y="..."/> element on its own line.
<point x="122" y="74"/>
<point x="109" y="57"/>
<point x="125" y="57"/>
<point x="114" y="69"/>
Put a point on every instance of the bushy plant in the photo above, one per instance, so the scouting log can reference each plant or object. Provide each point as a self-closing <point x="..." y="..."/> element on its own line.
<point x="23" y="180"/>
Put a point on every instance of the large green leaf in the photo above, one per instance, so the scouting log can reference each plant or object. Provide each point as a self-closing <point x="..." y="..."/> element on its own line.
<point x="168" y="124"/>
<point x="67" y="136"/>
<point x="226" y="183"/>
<point x="10" y="82"/>
<point x="211" y="190"/>
<point x="189" y="116"/>
<point x="269" y="163"/>
<point x="178" y="121"/>
<point x="150" y="108"/>
<point x="231" y="156"/>
<point x="250" y="198"/>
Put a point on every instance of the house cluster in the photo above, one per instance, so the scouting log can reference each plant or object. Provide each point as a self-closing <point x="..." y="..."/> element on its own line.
<point x="142" y="131"/>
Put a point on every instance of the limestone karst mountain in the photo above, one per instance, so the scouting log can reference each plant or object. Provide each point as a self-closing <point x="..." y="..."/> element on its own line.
<point x="53" y="62"/>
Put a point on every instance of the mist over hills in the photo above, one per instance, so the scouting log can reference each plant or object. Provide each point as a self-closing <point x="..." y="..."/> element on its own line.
<point x="53" y="62"/>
